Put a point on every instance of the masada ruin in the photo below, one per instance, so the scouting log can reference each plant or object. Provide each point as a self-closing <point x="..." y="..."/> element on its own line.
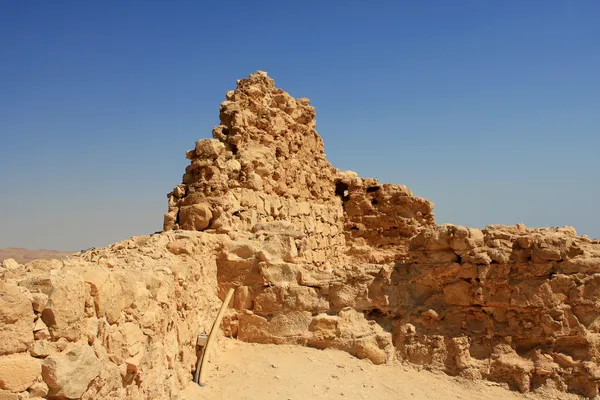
<point x="317" y="257"/>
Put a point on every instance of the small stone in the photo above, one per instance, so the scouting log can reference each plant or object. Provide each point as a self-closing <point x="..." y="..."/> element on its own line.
<point x="42" y="348"/>
<point x="209" y="148"/>
<point x="39" y="325"/>
<point x="38" y="389"/>
<point x="11" y="265"/>
<point x="191" y="154"/>
<point x="39" y="301"/>
<point x="42" y="335"/>
<point x="179" y="191"/>
<point x="233" y="165"/>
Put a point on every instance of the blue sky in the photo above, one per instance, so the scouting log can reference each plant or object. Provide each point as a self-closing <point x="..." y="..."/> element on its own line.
<point x="491" y="109"/>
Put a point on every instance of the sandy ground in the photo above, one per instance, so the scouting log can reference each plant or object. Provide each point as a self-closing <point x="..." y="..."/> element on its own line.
<point x="24" y="256"/>
<point x="254" y="371"/>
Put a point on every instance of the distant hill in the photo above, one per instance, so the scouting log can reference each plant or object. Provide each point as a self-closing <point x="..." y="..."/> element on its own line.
<point x="24" y="256"/>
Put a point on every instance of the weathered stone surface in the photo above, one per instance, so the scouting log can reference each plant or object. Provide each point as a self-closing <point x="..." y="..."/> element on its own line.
<point x="18" y="371"/>
<point x="10" y="264"/>
<point x="112" y="292"/>
<point x="39" y="302"/>
<point x="195" y="217"/>
<point x="510" y="306"/>
<point x="16" y="319"/>
<point x="127" y="298"/>
<point x="66" y="301"/>
<point x="38" y="389"/>
<point x="6" y="395"/>
<point x="351" y="332"/>
<point x="69" y="374"/>
<point x="43" y="348"/>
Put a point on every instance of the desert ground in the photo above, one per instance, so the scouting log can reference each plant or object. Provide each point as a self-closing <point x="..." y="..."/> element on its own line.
<point x="23" y="256"/>
<point x="260" y="371"/>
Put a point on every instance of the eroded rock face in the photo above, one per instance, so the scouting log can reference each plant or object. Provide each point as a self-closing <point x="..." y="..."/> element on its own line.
<point x="18" y="372"/>
<point x="518" y="298"/>
<point x="317" y="257"/>
<point x="16" y="319"/>
<point x="380" y="218"/>
<point x="69" y="374"/>
<point x="65" y="306"/>
<point x="119" y="322"/>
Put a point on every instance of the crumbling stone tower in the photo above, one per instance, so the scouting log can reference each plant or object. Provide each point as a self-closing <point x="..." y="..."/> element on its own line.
<point x="267" y="163"/>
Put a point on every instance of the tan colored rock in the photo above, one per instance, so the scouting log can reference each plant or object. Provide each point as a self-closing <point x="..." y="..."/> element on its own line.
<point x="10" y="264"/>
<point x="289" y="327"/>
<point x="141" y="287"/>
<point x="16" y="319"/>
<point x="18" y="371"/>
<point x="351" y="332"/>
<point x="69" y="374"/>
<point x="112" y="292"/>
<point x="38" y="389"/>
<point x="90" y="329"/>
<point x="66" y="293"/>
<point x="170" y="220"/>
<point x="39" y="301"/>
<point x="6" y="395"/>
<point x="181" y="246"/>
<point x="195" y="217"/>
<point x="43" y="348"/>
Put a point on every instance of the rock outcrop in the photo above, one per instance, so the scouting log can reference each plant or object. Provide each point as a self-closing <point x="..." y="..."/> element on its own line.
<point x="317" y="257"/>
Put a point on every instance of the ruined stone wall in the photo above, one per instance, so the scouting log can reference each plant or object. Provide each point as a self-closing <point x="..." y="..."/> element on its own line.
<point x="119" y="322"/>
<point x="509" y="304"/>
<point x="280" y="301"/>
<point x="317" y="257"/>
<point x="324" y="258"/>
<point x="379" y="219"/>
<point x="265" y="181"/>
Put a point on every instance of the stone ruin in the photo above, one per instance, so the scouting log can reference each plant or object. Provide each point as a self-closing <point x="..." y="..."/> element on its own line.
<point x="317" y="257"/>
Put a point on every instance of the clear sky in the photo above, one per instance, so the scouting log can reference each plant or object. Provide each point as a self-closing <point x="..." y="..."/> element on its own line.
<point x="491" y="109"/>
